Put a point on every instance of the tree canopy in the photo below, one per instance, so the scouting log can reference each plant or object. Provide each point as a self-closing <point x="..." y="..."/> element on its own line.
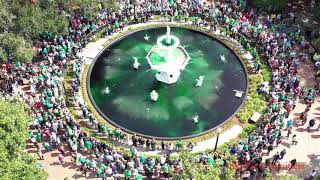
<point x="15" y="163"/>
<point x="22" y="22"/>
<point x="15" y="47"/>
<point x="34" y="19"/>
<point x="88" y="8"/>
<point x="270" y="5"/>
<point x="6" y="16"/>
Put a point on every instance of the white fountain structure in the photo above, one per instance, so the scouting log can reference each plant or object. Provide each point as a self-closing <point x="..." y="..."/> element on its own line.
<point x="168" y="58"/>
<point x="195" y="119"/>
<point x="199" y="81"/>
<point x="223" y="58"/>
<point x="136" y="63"/>
<point x="107" y="90"/>
<point x="154" y="95"/>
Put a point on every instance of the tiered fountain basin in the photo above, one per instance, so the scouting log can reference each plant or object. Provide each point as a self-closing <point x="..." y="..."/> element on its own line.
<point x="128" y="105"/>
<point x="168" y="58"/>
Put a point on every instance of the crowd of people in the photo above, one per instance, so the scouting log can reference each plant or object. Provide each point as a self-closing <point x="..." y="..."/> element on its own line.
<point x="258" y="32"/>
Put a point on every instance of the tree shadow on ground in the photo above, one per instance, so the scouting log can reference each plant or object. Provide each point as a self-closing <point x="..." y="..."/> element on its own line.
<point x="54" y="164"/>
<point x="54" y="154"/>
<point x="286" y="144"/>
<point x="315" y="136"/>
<point x="301" y="129"/>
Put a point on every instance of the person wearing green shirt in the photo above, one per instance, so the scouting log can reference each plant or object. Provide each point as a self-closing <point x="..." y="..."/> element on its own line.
<point x="276" y="134"/>
<point x="88" y="145"/>
<point x="254" y="52"/>
<point x="251" y="137"/>
<point x="117" y="25"/>
<point x="127" y="174"/>
<point x="247" y="46"/>
<point x="88" y="163"/>
<point x="117" y="133"/>
<point x="40" y="120"/>
<point x="110" y="134"/>
<point x="75" y="67"/>
<point x="218" y="4"/>
<point x="165" y="170"/>
<point x="242" y="4"/>
<point x="133" y="150"/>
<point x="104" y="175"/>
<point x="103" y="167"/>
<point x="49" y="106"/>
<point x="39" y="137"/>
<point x="143" y="158"/>
<point x="126" y="21"/>
<point x="283" y="97"/>
<point x="69" y="130"/>
<point x="179" y="144"/>
<point x="139" y="177"/>
<point x="93" y="28"/>
<point x="82" y="159"/>
<point x="64" y="46"/>
<point x="49" y="93"/>
<point x="212" y="161"/>
<point x="45" y="52"/>
<point x="98" y="173"/>
<point x="31" y="135"/>
<point x="246" y="147"/>
<point x="104" y="128"/>
<point x="47" y="146"/>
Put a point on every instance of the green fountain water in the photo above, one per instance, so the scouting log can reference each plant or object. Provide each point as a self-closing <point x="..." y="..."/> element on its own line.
<point x="182" y="109"/>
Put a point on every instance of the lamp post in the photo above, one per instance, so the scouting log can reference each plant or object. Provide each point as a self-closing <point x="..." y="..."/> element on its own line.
<point x="217" y="139"/>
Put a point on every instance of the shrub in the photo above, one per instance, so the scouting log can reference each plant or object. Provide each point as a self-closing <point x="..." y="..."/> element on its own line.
<point x="255" y="101"/>
<point x="250" y="128"/>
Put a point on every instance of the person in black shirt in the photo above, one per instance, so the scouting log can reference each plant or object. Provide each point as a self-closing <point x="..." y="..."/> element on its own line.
<point x="134" y="141"/>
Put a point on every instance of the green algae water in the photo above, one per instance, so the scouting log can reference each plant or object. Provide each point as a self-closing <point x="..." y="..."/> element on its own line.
<point x="128" y="104"/>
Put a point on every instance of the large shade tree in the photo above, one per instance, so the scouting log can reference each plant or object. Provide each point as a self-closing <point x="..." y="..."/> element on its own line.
<point x="269" y="5"/>
<point x="34" y="19"/>
<point x="6" y="17"/>
<point x="14" y="47"/>
<point x="15" y="163"/>
<point x="22" y="22"/>
<point x="89" y="8"/>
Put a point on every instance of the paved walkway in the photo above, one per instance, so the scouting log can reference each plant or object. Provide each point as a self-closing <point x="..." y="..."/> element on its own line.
<point x="226" y="136"/>
<point x="93" y="48"/>
<point x="307" y="151"/>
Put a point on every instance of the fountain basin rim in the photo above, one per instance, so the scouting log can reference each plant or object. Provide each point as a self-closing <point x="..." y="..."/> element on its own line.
<point x="174" y="39"/>
<point x="155" y="26"/>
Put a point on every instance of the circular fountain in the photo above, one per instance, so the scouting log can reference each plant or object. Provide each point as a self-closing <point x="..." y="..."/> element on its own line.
<point x="167" y="83"/>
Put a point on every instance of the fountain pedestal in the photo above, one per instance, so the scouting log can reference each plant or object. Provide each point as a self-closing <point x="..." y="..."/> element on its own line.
<point x="168" y="77"/>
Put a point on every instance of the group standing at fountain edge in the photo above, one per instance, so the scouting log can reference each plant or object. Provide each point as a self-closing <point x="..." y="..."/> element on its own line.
<point x="55" y="127"/>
